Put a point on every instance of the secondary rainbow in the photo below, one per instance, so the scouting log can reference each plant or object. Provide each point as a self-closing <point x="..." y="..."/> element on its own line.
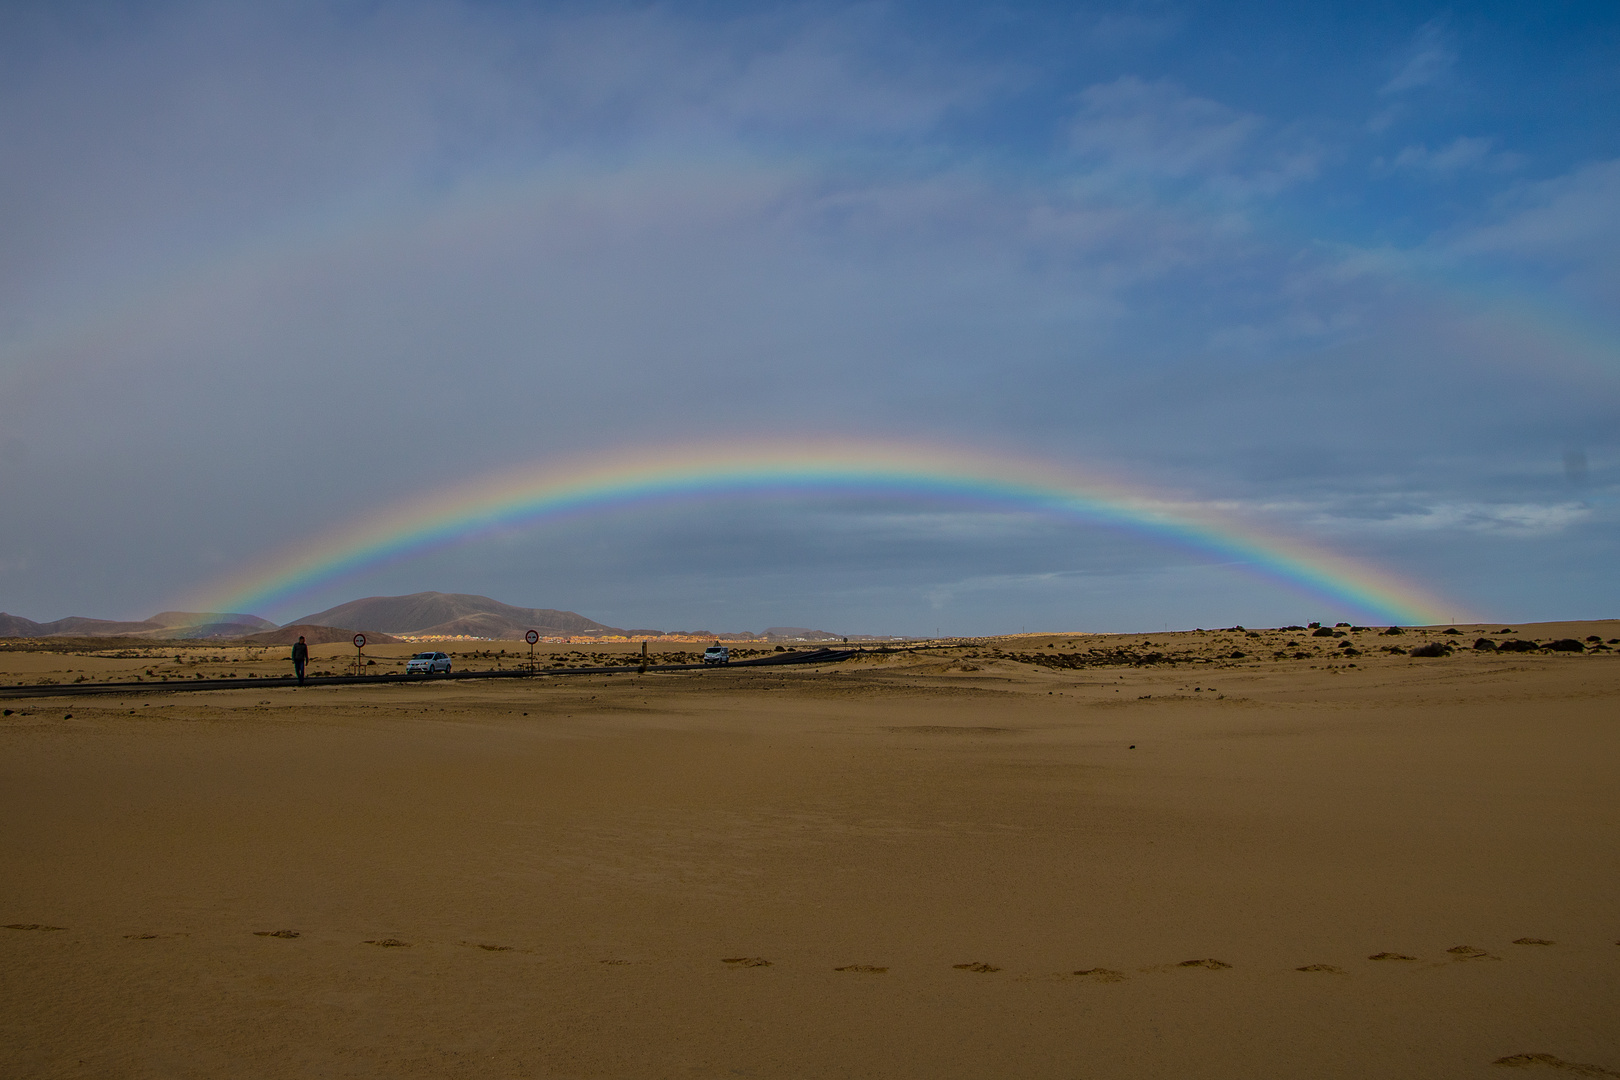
<point x="538" y="493"/>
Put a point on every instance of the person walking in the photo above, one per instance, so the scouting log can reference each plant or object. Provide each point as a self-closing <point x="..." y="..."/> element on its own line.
<point x="300" y="657"/>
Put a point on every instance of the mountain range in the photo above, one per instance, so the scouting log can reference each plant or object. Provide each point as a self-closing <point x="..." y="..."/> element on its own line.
<point x="425" y="614"/>
<point x="168" y="625"/>
<point x="436" y="614"/>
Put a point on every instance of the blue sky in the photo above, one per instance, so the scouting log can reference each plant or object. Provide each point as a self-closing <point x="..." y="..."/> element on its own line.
<point x="1349" y="271"/>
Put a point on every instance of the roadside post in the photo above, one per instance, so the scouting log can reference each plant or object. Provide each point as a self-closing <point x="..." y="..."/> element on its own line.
<point x="359" y="646"/>
<point x="643" y="656"/>
<point x="531" y="637"/>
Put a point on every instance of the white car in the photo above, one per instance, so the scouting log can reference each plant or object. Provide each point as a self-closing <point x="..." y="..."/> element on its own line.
<point x="428" y="663"/>
<point x="717" y="654"/>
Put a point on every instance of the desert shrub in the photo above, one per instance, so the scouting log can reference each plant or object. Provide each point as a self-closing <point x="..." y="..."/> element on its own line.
<point x="1236" y="655"/>
<point x="1593" y="637"/>
<point x="1393" y="631"/>
<point x="1484" y="644"/>
<point x="1341" y="624"/>
<point x="1313" y="625"/>
<point x="1507" y="630"/>
<point x="1434" y="648"/>
<point x="1321" y="631"/>
<point x="1568" y="644"/>
<point x="1395" y="649"/>
<point x="1451" y="630"/>
<point x="1517" y="645"/>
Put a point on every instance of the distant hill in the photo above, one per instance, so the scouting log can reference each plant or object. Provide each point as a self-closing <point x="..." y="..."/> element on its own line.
<point x="798" y="633"/>
<point x="775" y="633"/>
<point x="73" y="626"/>
<point x="433" y="614"/>
<point x="213" y="630"/>
<point x="316" y="635"/>
<point x="17" y="626"/>
<point x="196" y="625"/>
<point x="174" y="625"/>
<point x="193" y="619"/>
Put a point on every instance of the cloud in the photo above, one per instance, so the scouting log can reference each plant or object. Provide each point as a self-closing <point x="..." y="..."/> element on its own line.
<point x="1127" y="30"/>
<point x="312" y="259"/>
<point x="1156" y="128"/>
<point x="1570" y="218"/>
<point x="1517" y="519"/>
<point x="1462" y="154"/>
<point x="211" y="125"/>
<point x="1564" y="230"/>
<point x="1133" y="129"/>
<point x="1427" y="60"/>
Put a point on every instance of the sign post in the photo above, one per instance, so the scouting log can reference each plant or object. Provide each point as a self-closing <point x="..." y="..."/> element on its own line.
<point x="643" y="656"/>
<point x="531" y="637"/>
<point x="359" y="644"/>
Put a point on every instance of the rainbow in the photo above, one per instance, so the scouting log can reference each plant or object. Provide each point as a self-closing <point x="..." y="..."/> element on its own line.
<point x="539" y="493"/>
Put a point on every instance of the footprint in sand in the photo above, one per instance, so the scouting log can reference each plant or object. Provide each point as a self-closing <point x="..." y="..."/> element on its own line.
<point x="1390" y="956"/>
<point x="1533" y="941"/>
<point x="984" y="969"/>
<point x="1104" y="975"/>
<point x="1468" y="952"/>
<point x="865" y="969"/>
<point x="1211" y="963"/>
<point x="389" y="943"/>
<point x="746" y="961"/>
<point x="1325" y="968"/>
<point x="486" y="948"/>
<point x="32" y="926"/>
<point x="1526" y="1061"/>
<point x="277" y="933"/>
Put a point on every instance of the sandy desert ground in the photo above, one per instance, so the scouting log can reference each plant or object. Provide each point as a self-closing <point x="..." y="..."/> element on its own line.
<point x="984" y="861"/>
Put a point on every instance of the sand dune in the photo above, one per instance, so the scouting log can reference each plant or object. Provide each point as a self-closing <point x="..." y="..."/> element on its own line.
<point x="959" y="863"/>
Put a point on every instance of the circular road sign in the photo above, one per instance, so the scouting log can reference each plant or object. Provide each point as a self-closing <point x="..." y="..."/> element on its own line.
<point x="531" y="637"/>
<point x="359" y="641"/>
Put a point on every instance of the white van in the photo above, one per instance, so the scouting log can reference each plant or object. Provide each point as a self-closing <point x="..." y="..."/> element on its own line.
<point x="717" y="654"/>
